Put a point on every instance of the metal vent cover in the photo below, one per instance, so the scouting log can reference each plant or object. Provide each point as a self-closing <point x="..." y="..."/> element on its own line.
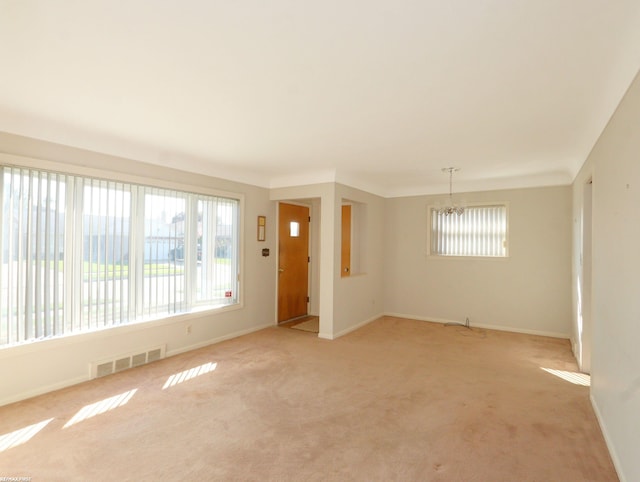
<point x="104" y="369"/>
<point x="124" y="362"/>
<point x="139" y="359"/>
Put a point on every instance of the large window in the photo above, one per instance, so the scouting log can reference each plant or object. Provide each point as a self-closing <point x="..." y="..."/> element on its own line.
<point x="479" y="231"/>
<point x="82" y="254"/>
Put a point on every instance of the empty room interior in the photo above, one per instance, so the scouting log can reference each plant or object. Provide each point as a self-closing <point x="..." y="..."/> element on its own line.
<point x="320" y="240"/>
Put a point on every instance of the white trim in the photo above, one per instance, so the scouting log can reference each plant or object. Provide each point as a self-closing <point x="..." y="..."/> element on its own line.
<point x="511" y="329"/>
<point x="607" y="440"/>
<point x="346" y="331"/>
<point x="72" y="339"/>
<point x="354" y="180"/>
<point x="42" y="390"/>
<point x="73" y="169"/>
<point x="219" y="339"/>
<point x="302" y="179"/>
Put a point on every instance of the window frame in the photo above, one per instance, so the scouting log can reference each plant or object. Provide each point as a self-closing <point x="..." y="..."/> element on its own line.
<point x="197" y="308"/>
<point x="431" y="208"/>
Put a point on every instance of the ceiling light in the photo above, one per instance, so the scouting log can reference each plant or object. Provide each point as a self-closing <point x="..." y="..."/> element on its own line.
<point x="451" y="208"/>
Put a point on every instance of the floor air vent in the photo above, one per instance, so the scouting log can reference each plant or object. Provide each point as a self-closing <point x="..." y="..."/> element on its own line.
<point x="153" y="355"/>
<point x="140" y="359"/>
<point x="104" y="369"/>
<point x="123" y="362"/>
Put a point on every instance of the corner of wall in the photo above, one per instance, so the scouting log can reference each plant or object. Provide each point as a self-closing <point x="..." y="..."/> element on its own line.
<point x="607" y="440"/>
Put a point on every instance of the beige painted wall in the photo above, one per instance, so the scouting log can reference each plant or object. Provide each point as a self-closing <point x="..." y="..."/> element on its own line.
<point x="527" y="292"/>
<point x="39" y="367"/>
<point x="614" y="164"/>
<point x="358" y="299"/>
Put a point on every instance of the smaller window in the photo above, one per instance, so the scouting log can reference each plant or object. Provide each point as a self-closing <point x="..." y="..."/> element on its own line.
<point x="294" y="229"/>
<point x="480" y="231"/>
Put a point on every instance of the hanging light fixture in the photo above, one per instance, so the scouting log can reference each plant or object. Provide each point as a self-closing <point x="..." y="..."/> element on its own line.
<point x="451" y="208"/>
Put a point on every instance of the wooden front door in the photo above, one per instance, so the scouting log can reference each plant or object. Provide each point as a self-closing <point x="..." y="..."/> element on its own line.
<point x="293" y="256"/>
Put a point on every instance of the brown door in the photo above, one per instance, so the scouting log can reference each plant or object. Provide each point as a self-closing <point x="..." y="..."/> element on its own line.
<point x="345" y="263"/>
<point x="293" y="255"/>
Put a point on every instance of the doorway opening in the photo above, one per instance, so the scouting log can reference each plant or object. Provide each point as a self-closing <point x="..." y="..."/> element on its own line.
<point x="309" y="324"/>
<point x="584" y="287"/>
<point x="293" y="261"/>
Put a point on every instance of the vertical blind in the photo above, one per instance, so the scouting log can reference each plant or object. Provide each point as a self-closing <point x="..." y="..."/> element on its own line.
<point x="102" y="235"/>
<point x="479" y="231"/>
<point x="82" y="254"/>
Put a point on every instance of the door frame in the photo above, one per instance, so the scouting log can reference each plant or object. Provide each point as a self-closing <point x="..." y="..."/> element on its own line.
<point x="312" y="250"/>
<point x="585" y="314"/>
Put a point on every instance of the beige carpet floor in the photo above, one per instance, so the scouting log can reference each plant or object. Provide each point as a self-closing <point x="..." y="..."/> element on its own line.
<point x="395" y="400"/>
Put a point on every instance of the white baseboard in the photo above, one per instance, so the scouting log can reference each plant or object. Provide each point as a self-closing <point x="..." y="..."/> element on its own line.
<point x="350" y="329"/>
<point x="219" y="339"/>
<point x="42" y="390"/>
<point x="512" y="329"/>
<point x="74" y="381"/>
<point x="607" y="440"/>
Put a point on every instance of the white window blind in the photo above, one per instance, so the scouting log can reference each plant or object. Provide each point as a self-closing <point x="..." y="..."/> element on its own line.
<point x="82" y="254"/>
<point x="217" y="250"/>
<point x="33" y="291"/>
<point x="479" y="231"/>
<point x="100" y="247"/>
<point x="166" y="263"/>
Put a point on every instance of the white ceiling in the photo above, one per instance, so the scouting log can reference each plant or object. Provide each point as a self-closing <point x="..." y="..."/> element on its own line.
<point x="378" y="94"/>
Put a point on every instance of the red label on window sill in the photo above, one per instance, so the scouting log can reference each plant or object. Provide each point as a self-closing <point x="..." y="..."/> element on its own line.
<point x="228" y="294"/>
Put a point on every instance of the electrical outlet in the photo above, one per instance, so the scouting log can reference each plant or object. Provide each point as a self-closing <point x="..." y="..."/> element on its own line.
<point x="188" y="329"/>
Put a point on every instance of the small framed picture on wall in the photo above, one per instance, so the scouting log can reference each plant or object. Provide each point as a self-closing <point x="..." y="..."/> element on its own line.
<point x="262" y="228"/>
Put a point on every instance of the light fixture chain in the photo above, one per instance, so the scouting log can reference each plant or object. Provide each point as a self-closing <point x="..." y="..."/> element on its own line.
<point x="452" y="208"/>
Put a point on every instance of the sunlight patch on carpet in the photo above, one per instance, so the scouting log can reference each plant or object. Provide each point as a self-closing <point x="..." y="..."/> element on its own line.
<point x="573" y="377"/>
<point x="89" y="411"/>
<point x="21" y="436"/>
<point x="189" y="374"/>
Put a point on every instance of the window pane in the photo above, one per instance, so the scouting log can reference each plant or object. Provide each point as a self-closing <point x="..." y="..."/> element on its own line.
<point x="83" y="254"/>
<point x="105" y="268"/>
<point x="217" y="272"/>
<point x="479" y="231"/>
<point x="32" y="270"/>
<point x="165" y="251"/>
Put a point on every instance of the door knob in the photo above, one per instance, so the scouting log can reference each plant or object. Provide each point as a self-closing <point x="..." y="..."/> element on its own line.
<point x="280" y="270"/>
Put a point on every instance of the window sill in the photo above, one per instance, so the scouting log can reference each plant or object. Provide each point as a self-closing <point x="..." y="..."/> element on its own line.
<point x="145" y="324"/>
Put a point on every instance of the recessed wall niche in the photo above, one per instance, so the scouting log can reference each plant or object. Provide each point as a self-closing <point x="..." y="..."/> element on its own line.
<point x="353" y="234"/>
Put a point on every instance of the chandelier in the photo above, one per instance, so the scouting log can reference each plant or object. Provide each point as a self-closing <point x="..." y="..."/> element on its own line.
<point x="451" y="208"/>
